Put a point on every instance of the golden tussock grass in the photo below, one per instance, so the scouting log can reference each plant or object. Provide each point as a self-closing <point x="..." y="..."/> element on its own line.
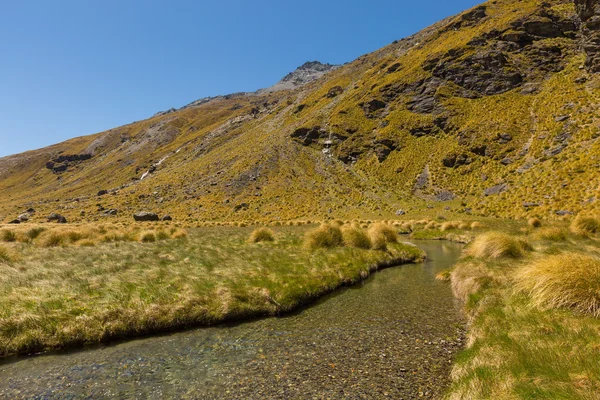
<point x="534" y="222"/>
<point x="355" y="236"/>
<point x="585" y="225"/>
<point x="381" y="234"/>
<point x="261" y="235"/>
<point x="568" y="280"/>
<point x="53" y="298"/>
<point x="7" y="255"/>
<point x="325" y="236"/>
<point x="492" y="245"/>
<point x="8" y="236"/>
<point x="446" y="226"/>
<point x="551" y="234"/>
<point x="477" y="225"/>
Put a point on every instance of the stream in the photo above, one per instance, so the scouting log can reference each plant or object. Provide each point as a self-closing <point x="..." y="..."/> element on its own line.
<point x="392" y="336"/>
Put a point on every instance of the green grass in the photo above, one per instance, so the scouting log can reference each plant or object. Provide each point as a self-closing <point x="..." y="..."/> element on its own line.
<point x="532" y="331"/>
<point x="69" y="295"/>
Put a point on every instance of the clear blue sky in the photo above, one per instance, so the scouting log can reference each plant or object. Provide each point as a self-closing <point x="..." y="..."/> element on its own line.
<point x="74" y="67"/>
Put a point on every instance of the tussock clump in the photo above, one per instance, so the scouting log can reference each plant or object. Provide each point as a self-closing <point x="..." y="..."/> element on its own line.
<point x="477" y="225"/>
<point x="432" y="225"/>
<point x="534" y="222"/>
<point x="463" y="226"/>
<point x="568" y="280"/>
<point x="8" y="236"/>
<point x="325" y="236"/>
<point x="179" y="234"/>
<point x="33" y="233"/>
<point x="261" y="235"/>
<point x="585" y="225"/>
<point x="446" y="226"/>
<point x="551" y="234"/>
<point x="148" y="237"/>
<point x="494" y="245"/>
<point x="381" y="234"/>
<point x="53" y="239"/>
<point x="162" y="235"/>
<point x="7" y="255"/>
<point x="355" y="236"/>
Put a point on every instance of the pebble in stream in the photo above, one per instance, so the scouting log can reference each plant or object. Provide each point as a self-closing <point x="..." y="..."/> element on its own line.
<point x="394" y="337"/>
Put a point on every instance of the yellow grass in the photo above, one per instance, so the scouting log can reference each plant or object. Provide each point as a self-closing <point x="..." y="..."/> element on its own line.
<point x="355" y="236"/>
<point x="585" y="225"/>
<point x="261" y="235"/>
<point x="325" y="236"/>
<point x="381" y="234"/>
<point x="494" y="245"/>
<point x="569" y="280"/>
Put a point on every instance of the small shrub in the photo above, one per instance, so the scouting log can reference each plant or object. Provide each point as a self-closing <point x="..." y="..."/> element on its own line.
<point x="8" y="236"/>
<point x="565" y="280"/>
<point x="534" y="222"/>
<point x="325" y="236"/>
<point x="354" y="236"/>
<point x="261" y="235"/>
<point x="585" y="225"/>
<point x="147" y="237"/>
<point x="381" y="234"/>
<point x="494" y="245"/>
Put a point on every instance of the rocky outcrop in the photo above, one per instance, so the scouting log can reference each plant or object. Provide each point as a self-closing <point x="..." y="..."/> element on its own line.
<point x="589" y="14"/>
<point x="63" y="162"/>
<point x="454" y="160"/>
<point x="145" y="216"/>
<point x="308" y="136"/>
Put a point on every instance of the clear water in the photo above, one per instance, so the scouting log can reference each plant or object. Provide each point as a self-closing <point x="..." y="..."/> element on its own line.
<point x="393" y="336"/>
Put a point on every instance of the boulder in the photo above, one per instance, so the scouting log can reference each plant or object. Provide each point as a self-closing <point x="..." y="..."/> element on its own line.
<point x="167" y="218"/>
<point x="503" y="187"/>
<point x="102" y="192"/>
<point x="59" y="219"/>
<point x="145" y="216"/>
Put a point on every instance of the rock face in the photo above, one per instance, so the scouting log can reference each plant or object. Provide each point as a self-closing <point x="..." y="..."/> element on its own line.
<point x="145" y="216"/>
<point x="589" y="13"/>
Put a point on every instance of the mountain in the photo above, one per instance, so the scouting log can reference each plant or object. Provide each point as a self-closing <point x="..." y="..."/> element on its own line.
<point x="493" y="112"/>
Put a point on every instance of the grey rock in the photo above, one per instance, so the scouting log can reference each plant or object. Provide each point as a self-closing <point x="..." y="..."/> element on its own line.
<point x="562" y="213"/>
<point x="145" y="216"/>
<point x="503" y="187"/>
<point x="57" y="218"/>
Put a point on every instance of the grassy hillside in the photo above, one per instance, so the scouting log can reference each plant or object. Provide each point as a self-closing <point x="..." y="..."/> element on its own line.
<point x="489" y="113"/>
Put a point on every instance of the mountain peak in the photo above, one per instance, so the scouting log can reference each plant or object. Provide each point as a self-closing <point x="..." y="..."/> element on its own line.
<point x="306" y="73"/>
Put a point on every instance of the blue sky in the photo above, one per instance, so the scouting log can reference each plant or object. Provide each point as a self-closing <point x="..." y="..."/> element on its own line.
<point x="70" y="68"/>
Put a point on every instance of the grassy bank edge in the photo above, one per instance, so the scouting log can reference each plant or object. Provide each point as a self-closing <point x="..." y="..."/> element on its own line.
<point x="396" y="254"/>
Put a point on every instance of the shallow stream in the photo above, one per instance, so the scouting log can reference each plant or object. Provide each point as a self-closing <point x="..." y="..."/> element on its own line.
<point x="393" y="336"/>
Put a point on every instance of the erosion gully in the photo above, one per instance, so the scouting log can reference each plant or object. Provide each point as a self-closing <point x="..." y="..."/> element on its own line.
<point x="394" y="335"/>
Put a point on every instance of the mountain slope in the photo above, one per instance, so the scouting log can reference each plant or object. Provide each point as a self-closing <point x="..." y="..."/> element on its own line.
<point x="492" y="112"/>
